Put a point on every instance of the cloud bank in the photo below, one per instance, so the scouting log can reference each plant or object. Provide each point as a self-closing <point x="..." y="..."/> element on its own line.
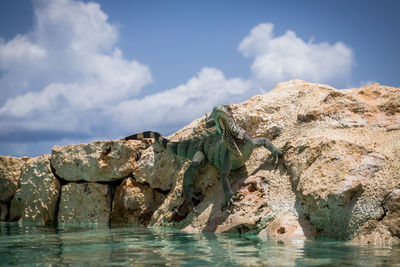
<point x="67" y="81"/>
<point x="67" y="65"/>
<point x="181" y="104"/>
<point x="287" y="57"/>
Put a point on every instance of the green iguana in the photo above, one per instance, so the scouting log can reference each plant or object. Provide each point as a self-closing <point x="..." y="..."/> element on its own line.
<point x="227" y="148"/>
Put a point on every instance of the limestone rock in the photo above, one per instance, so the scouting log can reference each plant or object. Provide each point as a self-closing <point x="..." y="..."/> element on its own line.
<point x="85" y="203"/>
<point x="101" y="161"/>
<point x="10" y="172"/>
<point x="156" y="169"/>
<point x="330" y="176"/>
<point x="392" y="217"/>
<point x="336" y="176"/>
<point x="263" y="195"/>
<point x="289" y="226"/>
<point x="135" y="203"/>
<point x="37" y="198"/>
<point x="369" y="105"/>
<point x="386" y="230"/>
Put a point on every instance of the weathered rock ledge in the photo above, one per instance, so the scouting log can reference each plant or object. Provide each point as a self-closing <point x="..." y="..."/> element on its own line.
<point x="341" y="179"/>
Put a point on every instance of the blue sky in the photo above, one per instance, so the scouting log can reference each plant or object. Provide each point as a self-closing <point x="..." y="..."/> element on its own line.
<point x="74" y="72"/>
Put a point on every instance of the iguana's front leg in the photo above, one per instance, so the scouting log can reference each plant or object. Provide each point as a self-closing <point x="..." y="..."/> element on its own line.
<point x="276" y="152"/>
<point x="188" y="179"/>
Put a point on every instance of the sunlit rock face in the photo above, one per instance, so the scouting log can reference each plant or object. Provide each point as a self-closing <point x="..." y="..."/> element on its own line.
<point x="37" y="198"/>
<point x="10" y="173"/>
<point x="101" y="161"/>
<point x="340" y="178"/>
<point x="343" y="164"/>
<point x="85" y="203"/>
<point x="135" y="202"/>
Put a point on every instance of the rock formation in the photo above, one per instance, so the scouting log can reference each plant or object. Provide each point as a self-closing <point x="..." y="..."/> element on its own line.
<point x="85" y="202"/>
<point x="340" y="180"/>
<point x="36" y="199"/>
<point x="102" y="161"/>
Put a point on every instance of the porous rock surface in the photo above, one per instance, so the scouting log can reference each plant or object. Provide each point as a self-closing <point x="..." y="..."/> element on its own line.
<point x="135" y="202"/>
<point x="387" y="228"/>
<point x="101" y="161"/>
<point x="340" y="179"/>
<point x="36" y="200"/>
<point x="85" y="203"/>
<point x="289" y="226"/>
<point x="10" y="172"/>
<point x="156" y="169"/>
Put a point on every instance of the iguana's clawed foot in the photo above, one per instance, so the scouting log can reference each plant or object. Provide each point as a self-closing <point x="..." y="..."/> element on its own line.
<point x="195" y="211"/>
<point x="227" y="204"/>
<point x="186" y="210"/>
<point x="280" y="152"/>
<point x="178" y="195"/>
<point x="188" y="205"/>
<point x="237" y="196"/>
<point x="286" y="147"/>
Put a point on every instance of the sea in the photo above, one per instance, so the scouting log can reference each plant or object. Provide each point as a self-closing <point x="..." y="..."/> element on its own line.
<point x="25" y="244"/>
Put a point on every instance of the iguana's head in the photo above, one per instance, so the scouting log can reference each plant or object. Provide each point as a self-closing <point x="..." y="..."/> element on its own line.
<point x="232" y="135"/>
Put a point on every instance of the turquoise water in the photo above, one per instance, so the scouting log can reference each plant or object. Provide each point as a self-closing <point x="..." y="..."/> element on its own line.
<point x="101" y="245"/>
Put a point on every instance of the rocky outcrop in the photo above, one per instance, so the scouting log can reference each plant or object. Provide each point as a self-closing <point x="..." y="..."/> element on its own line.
<point x="102" y="161"/>
<point x="85" y="203"/>
<point x="387" y="228"/>
<point x="340" y="179"/>
<point x="135" y="203"/>
<point x="289" y="226"/>
<point x="37" y="198"/>
<point x="10" y="172"/>
<point x="371" y="105"/>
<point x="156" y="169"/>
<point x="334" y="180"/>
<point x="329" y="177"/>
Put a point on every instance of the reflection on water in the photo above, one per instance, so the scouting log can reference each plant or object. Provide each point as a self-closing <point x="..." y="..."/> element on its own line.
<point x="130" y="245"/>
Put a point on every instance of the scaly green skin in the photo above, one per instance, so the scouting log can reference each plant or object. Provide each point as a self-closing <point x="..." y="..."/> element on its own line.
<point x="227" y="148"/>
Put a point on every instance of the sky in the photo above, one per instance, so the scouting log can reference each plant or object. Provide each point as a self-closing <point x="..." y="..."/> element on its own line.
<point x="80" y="71"/>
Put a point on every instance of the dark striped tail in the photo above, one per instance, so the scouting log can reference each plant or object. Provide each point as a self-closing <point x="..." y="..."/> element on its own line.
<point x="148" y="134"/>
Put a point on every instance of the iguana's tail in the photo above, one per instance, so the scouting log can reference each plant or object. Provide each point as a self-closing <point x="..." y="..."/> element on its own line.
<point x="148" y="134"/>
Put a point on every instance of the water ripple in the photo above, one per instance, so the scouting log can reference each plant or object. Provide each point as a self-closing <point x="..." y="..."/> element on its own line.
<point x="126" y="245"/>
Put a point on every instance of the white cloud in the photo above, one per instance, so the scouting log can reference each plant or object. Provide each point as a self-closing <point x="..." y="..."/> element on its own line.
<point x="181" y="104"/>
<point x="19" y="51"/>
<point x="287" y="57"/>
<point x="67" y="67"/>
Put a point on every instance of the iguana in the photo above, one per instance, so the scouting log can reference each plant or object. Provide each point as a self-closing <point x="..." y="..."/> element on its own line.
<point x="228" y="147"/>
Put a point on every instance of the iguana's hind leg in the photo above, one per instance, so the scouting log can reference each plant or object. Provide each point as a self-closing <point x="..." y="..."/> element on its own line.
<point x="188" y="179"/>
<point x="225" y="169"/>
